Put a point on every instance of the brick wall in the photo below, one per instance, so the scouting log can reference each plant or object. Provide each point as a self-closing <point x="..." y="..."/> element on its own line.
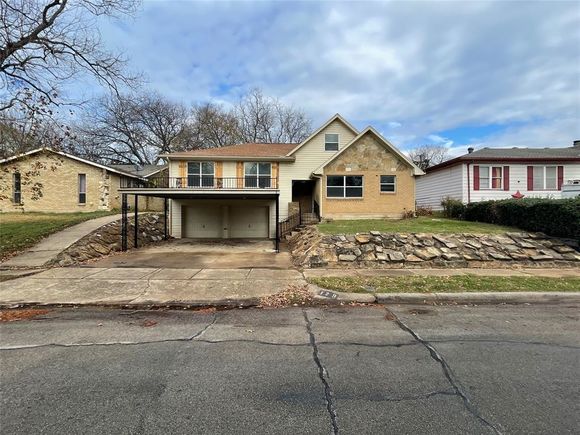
<point x="370" y="159"/>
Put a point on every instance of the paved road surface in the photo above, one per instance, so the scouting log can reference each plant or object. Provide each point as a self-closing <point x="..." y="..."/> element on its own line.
<point x="407" y="369"/>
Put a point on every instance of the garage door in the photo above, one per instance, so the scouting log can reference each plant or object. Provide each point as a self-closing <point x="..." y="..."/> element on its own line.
<point x="249" y="222"/>
<point x="202" y="222"/>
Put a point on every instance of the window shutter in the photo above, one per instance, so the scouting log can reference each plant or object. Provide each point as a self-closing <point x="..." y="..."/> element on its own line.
<point x="476" y="177"/>
<point x="560" y="177"/>
<point x="240" y="174"/>
<point x="275" y="174"/>
<point x="182" y="174"/>
<point x="530" y="178"/>
<point x="506" y="178"/>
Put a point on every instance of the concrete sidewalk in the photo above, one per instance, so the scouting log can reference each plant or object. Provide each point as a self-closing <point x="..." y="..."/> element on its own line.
<point x="43" y="252"/>
<point x="147" y="286"/>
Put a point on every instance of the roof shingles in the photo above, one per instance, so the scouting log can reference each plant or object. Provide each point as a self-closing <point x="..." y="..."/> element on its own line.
<point x="273" y="150"/>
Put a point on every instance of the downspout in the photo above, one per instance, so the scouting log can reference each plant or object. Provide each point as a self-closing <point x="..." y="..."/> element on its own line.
<point x="468" y="185"/>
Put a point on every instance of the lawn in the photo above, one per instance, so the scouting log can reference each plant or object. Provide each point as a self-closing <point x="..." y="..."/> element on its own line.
<point x="423" y="224"/>
<point x="442" y="284"/>
<point x="19" y="231"/>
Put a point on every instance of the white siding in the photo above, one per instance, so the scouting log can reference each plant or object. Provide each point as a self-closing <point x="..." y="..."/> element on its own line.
<point x="309" y="158"/>
<point x="431" y="189"/>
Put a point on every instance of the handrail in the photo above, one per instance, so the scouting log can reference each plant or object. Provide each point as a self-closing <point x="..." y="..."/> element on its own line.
<point x="205" y="182"/>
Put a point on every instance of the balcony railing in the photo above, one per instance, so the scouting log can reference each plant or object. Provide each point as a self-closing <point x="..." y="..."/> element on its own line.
<point x="206" y="182"/>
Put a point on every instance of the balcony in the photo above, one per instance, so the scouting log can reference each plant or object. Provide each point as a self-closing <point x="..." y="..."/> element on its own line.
<point x="202" y="183"/>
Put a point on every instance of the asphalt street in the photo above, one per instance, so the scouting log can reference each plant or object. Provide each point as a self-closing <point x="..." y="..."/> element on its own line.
<point x="350" y="370"/>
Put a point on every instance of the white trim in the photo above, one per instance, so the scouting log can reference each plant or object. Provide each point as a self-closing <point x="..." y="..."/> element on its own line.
<point x="70" y="156"/>
<point x="327" y="142"/>
<point x="490" y="177"/>
<point x="545" y="189"/>
<point x="201" y="174"/>
<point x="369" y="129"/>
<point x="394" y="183"/>
<point x="326" y="124"/>
<point x="257" y="175"/>
<point x="344" y="186"/>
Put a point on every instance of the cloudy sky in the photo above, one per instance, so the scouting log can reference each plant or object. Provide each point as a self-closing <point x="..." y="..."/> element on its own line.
<point x="487" y="73"/>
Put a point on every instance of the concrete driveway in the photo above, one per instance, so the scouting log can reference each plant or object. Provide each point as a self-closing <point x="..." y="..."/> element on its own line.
<point x="202" y="254"/>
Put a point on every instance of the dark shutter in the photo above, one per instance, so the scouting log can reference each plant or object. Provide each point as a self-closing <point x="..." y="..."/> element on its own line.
<point x="506" y="178"/>
<point x="560" y="177"/>
<point x="530" y="178"/>
<point x="476" y="177"/>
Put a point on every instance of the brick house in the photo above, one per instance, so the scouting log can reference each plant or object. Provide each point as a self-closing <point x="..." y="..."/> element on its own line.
<point x="502" y="173"/>
<point x="45" y="180"/>
<point x="247" y="190"/>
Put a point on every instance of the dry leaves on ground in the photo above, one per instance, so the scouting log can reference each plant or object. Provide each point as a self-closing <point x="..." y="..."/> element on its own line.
<point x="292" y="295"/>
<point x="15" y="315"/>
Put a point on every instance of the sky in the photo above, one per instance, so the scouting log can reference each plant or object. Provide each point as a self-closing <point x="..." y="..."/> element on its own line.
<point x="457" y="73"/>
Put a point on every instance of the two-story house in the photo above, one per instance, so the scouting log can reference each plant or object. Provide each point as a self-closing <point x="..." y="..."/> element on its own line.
<point x="246" y="190"/>
<point x="502" y="173"/>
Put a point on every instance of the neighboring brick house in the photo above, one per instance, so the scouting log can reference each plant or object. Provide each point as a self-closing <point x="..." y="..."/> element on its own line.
<point x="502" y="173"/>
<point x="245" y="190"/>
<point x="45" y="180"/>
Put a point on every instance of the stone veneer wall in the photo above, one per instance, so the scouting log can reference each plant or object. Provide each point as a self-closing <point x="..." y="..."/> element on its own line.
<point x="107" y="239"/>
<point x="412" y="250"/>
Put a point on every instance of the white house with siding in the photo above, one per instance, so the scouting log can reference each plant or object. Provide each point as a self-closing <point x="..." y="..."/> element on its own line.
<point x="501" y="173"/>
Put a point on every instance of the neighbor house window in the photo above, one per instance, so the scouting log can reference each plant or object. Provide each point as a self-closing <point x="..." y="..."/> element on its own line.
<point x="545" y="177"/>
<point x="257" y="174"/>
<point x="387" y="183"/>
<point x="16" y="188"/>
<point x="347" y="186"/>
<point x="200" y="174"/>
<point x="331" y="142"/>
<point x="490" y="177"/>
<point x="82" y="188"/>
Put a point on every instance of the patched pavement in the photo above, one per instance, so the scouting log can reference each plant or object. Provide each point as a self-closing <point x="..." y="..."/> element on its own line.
<point x="399" y="369"/>
<point x="147" y="286"/>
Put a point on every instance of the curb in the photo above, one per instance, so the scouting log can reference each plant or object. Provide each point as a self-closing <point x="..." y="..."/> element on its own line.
<point x="323" y="296"/>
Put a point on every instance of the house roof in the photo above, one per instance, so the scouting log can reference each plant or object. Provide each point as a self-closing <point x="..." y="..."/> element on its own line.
<point x="335" y="117"/>
<point x="244" y="150"/>
<point x="70" y="156"/>
<point x="514" y="155"/>
<point x="140" y="170"/>
<point x="383" y="141"/>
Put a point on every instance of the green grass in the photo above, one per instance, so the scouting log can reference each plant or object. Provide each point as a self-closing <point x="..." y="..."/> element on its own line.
<point x="423" y="224"/>
<point x="438" y="284"/>
<point x="19" y="231"/>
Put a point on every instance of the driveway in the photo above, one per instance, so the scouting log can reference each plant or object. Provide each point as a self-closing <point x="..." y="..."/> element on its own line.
<point x="202" y="254"/>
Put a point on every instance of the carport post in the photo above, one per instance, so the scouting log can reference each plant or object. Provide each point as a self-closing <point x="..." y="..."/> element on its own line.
<point x="165" y="214"/>
<point x="124" y="207"/>
<point x="136" y="221"/>
<point x="278" y="223"/>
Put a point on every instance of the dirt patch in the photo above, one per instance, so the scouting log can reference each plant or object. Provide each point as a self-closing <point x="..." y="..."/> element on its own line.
<point x="293" y="295"/>
<point x="16" y="315"/>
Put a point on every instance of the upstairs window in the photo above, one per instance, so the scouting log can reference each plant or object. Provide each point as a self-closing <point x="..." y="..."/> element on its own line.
<point x="344" y="186"/>
<point x="82" y="188"/>
<point x="331" y="142"/>
<point x="200" y="174"/>
<point x="257" y="175"/>
<point x="387" y="183"/>
<point x="16" y="188"/>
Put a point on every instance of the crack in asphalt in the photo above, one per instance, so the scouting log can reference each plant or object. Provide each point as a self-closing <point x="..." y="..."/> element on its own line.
<point x="322" y="374"/>
<point x="116" y="343"/>
<point x="484" y="340"/>
<point x="455" y="384"/>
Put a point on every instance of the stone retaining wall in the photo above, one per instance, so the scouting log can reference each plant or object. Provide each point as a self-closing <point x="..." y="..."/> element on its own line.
<point x="107" y="239"/>
<point x="396" y="250"/>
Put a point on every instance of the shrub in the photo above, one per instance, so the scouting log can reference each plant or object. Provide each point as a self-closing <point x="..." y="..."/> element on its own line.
<point x="556" y="217"/>
<point x="453" y="208"/>
<point x="424" y="211"/>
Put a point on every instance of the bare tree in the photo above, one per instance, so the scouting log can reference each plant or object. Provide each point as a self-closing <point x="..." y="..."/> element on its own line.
<point x="266" y="119"/>
<point x="44" y="43"/>
<point x="210" y="126"/>
<point x="426" y="156"/>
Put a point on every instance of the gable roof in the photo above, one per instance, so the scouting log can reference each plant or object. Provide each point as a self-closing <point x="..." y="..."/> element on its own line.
<point x="70" y="156"/>
<point x="244" y="150"/>
<point x="335" y="117"/>
<point x="140" y="171"/>
<point x="383" y="141"/>
<point x="514" y="155"/>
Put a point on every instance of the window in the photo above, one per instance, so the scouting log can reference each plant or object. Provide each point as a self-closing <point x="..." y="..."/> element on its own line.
<point x="16" y="188"/>
<point x="347" y="186"/>
<point x="257" y="174"/>
<point x="387" y="183"/>
<point x="82" y="188"/>
<point x="490" y="177"/>
<point x="200" y="174"/>
<point x="545" y="177"/>
<point x="331" y="142"/>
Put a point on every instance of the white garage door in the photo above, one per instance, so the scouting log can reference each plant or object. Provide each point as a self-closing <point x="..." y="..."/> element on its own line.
<point x="249" y="222"/>
<point x="202" y="222"/>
